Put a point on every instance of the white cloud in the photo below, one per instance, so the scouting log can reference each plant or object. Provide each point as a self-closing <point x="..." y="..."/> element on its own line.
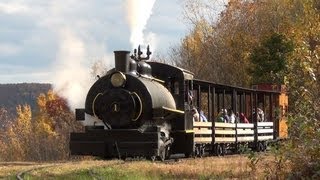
<point x="28" y="77"/>
<point x="13" y="7"/>
<point x="30" y="34"/>
<point x="58" y="41"/>
<point x="7" y="49"/>
<point x="9" y="73"/>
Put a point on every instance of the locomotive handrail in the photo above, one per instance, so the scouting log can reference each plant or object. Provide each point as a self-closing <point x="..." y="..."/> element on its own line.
<point x="94" y="100"/>
<point x="225" y="125"/>
<point x="265" y="124"/>
<point x="245" y="125"/>
<point x="172" y="110"/>
<point x="140" y="102"/>
<point x="202" y="124"/>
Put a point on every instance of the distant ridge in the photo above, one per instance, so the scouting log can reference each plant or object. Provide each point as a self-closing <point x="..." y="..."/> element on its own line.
<point x="12" y="95"/>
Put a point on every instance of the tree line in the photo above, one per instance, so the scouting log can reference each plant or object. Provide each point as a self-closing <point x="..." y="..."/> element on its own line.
<point x="263" y="41"/>
<point x="41" y="134"/>
<point x="12" y="95"/>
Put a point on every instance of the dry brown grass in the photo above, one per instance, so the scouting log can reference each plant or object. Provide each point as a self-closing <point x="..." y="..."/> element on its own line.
<point x="233" y="166"/>
<point x="229" y="167"/>
<point x="69" y="167"/>
<point x="11" y="168"/>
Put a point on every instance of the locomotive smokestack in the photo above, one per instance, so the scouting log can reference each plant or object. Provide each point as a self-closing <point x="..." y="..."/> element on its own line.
<point x="122" y="61"/>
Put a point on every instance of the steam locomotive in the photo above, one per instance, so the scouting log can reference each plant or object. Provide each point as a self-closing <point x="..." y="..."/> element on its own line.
<point x="143" y="108"/>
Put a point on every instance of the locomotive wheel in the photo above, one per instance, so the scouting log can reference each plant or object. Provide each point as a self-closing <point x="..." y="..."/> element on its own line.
<point x="188" y="155"/>
<point x="219" y="150"/>
<point x="152" y="158"/>
<point x="197" y="151"/>
<point x="265" y="145"/>
<point x="202" y="149"/>
<point x="224" y="149"/>
<point x="260" y="147"/>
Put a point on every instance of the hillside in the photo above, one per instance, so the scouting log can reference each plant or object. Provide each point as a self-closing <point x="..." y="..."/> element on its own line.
<point x="12" y="95"/>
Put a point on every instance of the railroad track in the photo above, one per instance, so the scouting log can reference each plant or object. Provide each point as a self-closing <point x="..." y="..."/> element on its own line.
<point x="94" y="175"/>
<point x="21" y="174"/>
<point x="18" y="163"/>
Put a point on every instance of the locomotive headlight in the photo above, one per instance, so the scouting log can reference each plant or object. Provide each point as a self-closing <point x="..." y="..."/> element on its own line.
<point x="118" y="79"/>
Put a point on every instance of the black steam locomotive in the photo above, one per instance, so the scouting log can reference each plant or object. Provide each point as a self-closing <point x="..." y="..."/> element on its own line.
<point x="142" y="108"/>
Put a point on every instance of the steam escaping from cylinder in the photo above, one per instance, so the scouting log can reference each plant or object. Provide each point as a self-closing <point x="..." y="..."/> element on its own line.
<point x="139" y="11"/>
<point x="166" y="128"/>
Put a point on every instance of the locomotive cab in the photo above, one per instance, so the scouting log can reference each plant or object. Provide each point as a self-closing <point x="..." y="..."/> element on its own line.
<point x="180" y="83"/>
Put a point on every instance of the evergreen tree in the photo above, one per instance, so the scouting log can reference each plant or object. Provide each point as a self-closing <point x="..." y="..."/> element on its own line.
<point x="269" y="61"/>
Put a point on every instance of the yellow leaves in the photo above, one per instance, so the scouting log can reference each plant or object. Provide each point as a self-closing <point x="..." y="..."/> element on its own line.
<point x="41" y="135"/>
<point x="41" y="102"/>
<point x="43" y="99"/>
<point x="194" y="41"/>
<point x="24" y="113"/>
<point x="43" y="127"/>
<point x="23" y="123"/>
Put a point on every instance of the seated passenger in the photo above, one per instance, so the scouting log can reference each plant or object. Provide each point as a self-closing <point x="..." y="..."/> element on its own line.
<point x="220" y="117"/>
<point x="232" y="116"/>
<point x="203" y="118"/>
<point x="237" y="117"/>
<point x="243" y="118"/>
<point x="190" y="96"/>
<point x="195" y="115"/>
<point x="260" y="116"/>
<point x="225" y="116"/>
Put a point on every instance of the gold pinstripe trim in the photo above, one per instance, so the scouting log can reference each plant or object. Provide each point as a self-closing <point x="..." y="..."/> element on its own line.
<point x="186" y="131"/>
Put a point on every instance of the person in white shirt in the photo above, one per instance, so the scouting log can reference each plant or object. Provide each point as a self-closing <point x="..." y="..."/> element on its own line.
<point x="195" y="114"/>
<point x="232" y="116"/>
<point x="203" y="118"/>
<point x="260" y="116"/>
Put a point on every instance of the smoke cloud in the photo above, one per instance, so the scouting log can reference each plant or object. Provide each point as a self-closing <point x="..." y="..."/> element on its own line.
<point x="139" y="11"/>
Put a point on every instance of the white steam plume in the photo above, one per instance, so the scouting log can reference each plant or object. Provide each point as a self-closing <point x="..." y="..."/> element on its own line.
<point x="139" y="12"/>
<point x="78" y="47"/>
<point x="71" y="79"/>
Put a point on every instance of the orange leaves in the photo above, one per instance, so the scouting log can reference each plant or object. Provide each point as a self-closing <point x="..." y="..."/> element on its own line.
<point x="38" y="135"/>
<point x="56" y="106"/>
<point x="51" y="103"/>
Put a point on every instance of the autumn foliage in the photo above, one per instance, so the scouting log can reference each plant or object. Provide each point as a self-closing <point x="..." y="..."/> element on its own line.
<point x="259" y="41"/>
<point x="39" y="135"/>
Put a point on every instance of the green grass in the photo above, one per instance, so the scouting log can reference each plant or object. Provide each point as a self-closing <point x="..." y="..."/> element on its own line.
<point x="229" y="167"/>
<point x="113" y="173"/>
<point x="121" y="173"/>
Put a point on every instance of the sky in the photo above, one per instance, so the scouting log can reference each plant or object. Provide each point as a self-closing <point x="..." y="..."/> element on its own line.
<point x="37" y="37"/>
